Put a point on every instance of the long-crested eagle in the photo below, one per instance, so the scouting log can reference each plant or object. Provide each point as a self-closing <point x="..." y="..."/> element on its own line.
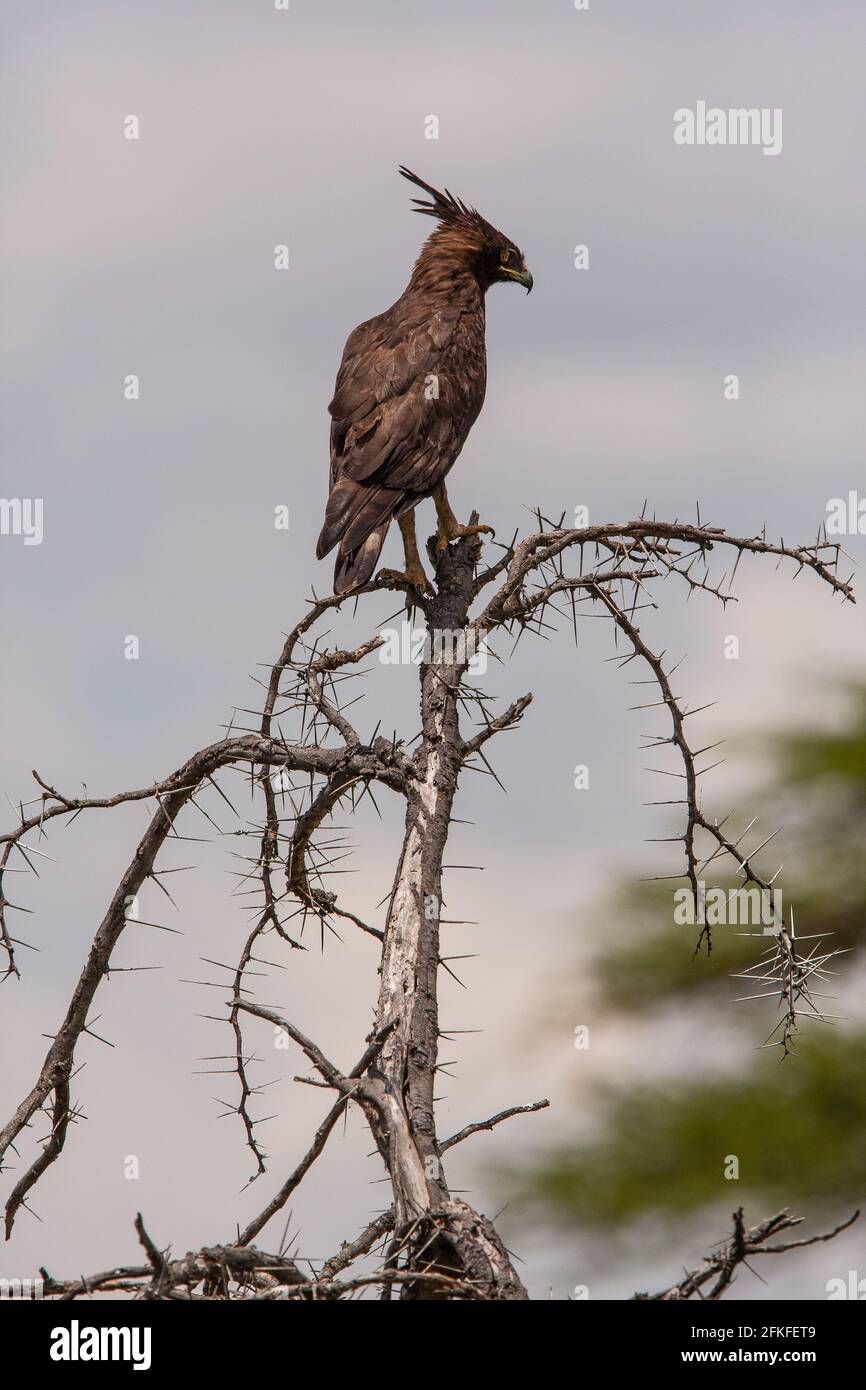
<point x="409" y="389"/>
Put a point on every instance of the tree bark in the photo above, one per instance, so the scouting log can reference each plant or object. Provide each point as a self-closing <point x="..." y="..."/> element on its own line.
<point x="439" y="1232"/>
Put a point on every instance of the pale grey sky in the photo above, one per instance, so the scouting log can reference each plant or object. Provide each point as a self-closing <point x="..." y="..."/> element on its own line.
<point x="155" y="257"/>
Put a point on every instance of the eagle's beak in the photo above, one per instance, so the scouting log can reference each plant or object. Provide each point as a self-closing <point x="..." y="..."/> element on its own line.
<point x="522" y="277"/>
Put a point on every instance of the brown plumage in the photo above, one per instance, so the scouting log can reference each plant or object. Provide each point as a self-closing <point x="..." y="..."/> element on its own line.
<point x="409" y="389"/>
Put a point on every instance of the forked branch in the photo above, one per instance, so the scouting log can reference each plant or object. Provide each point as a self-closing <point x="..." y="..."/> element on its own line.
<point x="431" y="1244"/>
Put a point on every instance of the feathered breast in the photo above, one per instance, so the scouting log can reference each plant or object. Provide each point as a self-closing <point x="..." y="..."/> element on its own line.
<point x="409" y="389"/>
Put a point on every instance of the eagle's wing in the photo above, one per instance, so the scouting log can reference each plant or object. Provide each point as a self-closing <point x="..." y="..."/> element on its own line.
<point x="397" y="426"/>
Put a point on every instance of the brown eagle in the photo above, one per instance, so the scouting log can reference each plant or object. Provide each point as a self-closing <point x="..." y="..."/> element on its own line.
<point x="409" y="389"/>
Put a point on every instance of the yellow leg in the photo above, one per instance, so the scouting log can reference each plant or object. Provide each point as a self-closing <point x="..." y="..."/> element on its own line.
<point x="414" y="572"/>
<point x="450" y="528"/>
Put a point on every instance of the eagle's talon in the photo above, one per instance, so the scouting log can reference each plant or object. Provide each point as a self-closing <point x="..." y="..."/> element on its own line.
<point x="416" y="578"/>
<point x="444" y="538"/>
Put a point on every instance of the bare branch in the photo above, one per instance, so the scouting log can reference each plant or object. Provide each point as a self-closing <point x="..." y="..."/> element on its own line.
<point x="720" y="1267"/>
<point x="492" y="1122"/>
<point x="439" y="1247"/>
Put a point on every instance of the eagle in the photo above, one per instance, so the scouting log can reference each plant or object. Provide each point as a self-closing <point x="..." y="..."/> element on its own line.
<point x="409" y="389"/>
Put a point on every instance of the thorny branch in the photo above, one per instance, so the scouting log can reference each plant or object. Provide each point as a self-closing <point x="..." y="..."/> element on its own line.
<point x="241" y="1271"/>
<point x="719" y="1268"/>
<point x="435" y="1245"/>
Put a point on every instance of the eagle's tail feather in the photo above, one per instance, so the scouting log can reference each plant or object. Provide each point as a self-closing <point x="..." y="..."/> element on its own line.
<point x="358" y="518"/>
<point x="354" y="567"/>
<point x="353" y="511"/>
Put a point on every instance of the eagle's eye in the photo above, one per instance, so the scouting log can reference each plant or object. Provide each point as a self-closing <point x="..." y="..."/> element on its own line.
<point x="505" y="257"/>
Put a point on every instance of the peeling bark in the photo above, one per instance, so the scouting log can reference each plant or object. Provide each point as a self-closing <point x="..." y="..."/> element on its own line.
<point x="447" y="1235"/>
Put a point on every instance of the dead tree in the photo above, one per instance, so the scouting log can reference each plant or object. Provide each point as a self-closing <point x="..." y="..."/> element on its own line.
<point x="432" y="1244"/>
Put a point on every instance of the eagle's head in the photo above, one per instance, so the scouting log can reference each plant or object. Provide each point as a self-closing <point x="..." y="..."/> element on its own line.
<point x="466" y="240"/>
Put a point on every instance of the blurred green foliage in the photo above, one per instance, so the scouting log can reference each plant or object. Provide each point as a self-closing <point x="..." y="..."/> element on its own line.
<point x="651" y="960"/>
<point x="798" y="1131"/>
<point x="812" y="760"/>
<point x="798" y="1128"/>
<point x="819" y="793"/>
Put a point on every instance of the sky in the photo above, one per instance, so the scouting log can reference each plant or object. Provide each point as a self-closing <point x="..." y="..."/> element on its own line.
<point x="154" y="257"/>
